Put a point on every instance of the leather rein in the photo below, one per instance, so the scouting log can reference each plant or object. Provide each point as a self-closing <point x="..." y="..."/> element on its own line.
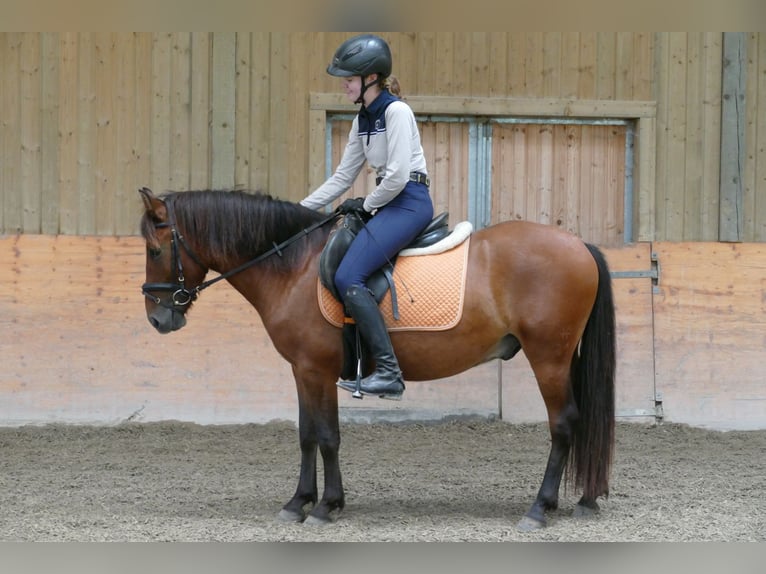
<point x="182" y="296"/>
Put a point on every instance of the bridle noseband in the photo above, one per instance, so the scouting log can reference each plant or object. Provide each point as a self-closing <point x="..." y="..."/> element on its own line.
<point x="182" y="296"/>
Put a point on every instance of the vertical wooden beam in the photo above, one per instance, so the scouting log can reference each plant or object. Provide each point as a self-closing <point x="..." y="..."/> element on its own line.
<point x="199" y="176"/>
<point x="180" y="107"/>
<point x="104" y="135"/>
<point x="759" y="148"/>
<point x="694" y="160"/>
<point x="260" y="112"/>
<point x="160" y="106"/>
<point x="711" y="130"/>
<point x="223" y="103"/>
<point x="10" y="134"/>
<point x="127" y="207"/>
<point x="85" y="200"/>
<point x="427" y="70"/>
<point x="733" y="136"/>
<point x="142" y="110"/>
<point x="51" y="98"/>
<point x="242" y="98"/>
<point x="297" y="119"/>
<point x="30" y="90"/>
<point x="69" y="134"/>
<point x="278" y="102"/>
<point x="677" y="106"/>
<point x="754" y="179"/>
<point x="647" y="173"/>
<point x="570" y="65"/>
<point x="606" y="63"/>
<point x="552" y="64"/>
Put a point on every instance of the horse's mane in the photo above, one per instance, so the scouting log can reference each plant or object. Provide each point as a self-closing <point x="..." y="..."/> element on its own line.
<point x="235" y="226"/>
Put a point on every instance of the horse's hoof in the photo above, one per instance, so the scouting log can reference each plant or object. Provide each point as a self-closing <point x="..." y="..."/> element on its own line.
<point x="322" y="518"/>
<point x="585" y="511"/>
<point x="290" y="516"/>
<point x="312" y="520"/>
<point x="527" y="524"/>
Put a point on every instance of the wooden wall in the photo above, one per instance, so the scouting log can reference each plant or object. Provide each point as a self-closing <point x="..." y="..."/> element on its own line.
<point x="75" y="345"/>
<point x="89" y="117"/>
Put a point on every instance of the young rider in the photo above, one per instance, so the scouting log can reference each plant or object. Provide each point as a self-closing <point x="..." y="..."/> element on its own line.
<point x="385" y="135"/>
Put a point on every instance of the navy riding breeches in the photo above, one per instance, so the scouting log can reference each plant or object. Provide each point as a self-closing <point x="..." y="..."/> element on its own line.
<point x="392" y="228"/>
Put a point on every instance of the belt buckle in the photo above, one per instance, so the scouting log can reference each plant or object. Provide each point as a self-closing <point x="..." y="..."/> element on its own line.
<point x="418" y="177"/>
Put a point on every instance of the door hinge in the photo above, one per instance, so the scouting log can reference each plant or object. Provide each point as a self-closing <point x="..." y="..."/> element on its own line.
<point x="659" y="414"/>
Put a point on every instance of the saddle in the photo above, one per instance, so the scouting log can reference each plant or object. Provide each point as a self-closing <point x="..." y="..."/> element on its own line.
<point x="382" y="280"/>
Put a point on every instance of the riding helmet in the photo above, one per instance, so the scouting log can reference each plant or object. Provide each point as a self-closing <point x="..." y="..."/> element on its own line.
<point x="361" y="56"/>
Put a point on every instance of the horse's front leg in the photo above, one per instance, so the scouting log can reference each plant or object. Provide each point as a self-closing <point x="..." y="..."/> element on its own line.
<point x="306" y="493"/>
<point x="318" y="427"/>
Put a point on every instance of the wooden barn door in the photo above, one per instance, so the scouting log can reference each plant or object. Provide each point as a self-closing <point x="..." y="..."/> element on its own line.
<point x="571" y="175"/>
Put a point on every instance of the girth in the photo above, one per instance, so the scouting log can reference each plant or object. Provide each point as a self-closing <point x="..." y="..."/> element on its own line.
<point x="382" y="280"/>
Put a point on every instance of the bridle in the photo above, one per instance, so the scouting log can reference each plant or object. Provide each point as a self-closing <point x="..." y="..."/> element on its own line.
<point x="182" y="296"/>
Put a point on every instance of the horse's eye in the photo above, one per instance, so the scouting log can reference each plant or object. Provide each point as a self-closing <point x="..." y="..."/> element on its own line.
<point x="154" y="252"/>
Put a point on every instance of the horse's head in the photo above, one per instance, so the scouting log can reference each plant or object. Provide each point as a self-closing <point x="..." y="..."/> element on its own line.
<point x="173" y="272"/>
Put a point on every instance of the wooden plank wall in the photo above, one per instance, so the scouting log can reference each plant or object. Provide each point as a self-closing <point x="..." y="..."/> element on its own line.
<point x="89" y="117"/>
<point x="688" y="91"/>
<point x="710" y="333"/>
<point x="75" y="345"/>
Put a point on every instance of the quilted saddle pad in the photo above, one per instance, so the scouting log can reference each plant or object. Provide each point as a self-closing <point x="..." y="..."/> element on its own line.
<point x="430" y="290"/>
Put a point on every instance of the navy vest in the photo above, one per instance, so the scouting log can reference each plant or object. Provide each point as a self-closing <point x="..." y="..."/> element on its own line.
<point x="372" y="120"/>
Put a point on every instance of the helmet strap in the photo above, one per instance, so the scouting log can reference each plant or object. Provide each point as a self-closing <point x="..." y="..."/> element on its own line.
<point x="360" y="99"/>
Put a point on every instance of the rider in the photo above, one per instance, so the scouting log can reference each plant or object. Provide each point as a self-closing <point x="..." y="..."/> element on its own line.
<point x="384" y="134"/>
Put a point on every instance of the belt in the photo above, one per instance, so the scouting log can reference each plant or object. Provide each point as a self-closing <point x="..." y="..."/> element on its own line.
<point x="415" y="176"/>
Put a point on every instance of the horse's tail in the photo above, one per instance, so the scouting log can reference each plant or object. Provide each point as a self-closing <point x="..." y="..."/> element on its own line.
<point x="593" y="373"/>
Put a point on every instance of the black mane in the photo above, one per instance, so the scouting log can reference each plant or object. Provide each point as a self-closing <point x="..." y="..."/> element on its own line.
<point x="230" y="227"/>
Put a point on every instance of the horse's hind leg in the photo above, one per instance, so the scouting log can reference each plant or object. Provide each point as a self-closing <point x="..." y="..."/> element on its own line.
<point x="554" y="384"/>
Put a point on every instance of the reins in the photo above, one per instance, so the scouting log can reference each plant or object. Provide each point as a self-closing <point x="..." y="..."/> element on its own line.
<point x="181" y="295"/>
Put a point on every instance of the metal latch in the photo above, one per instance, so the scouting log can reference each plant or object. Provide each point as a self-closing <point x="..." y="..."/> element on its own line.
<point x="653" y="273"/>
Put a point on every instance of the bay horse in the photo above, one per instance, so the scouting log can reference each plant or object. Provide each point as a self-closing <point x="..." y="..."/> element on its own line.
<point x="529" y="286"/>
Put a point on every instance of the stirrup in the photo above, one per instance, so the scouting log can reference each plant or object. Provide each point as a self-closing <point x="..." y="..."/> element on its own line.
<point x="358" y="392"/>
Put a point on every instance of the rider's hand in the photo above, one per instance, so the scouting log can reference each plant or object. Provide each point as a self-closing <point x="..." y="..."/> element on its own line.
<point x="354" y="205"/>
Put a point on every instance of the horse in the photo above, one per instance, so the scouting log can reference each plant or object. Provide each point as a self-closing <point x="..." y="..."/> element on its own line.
<point x="529" y="286"/>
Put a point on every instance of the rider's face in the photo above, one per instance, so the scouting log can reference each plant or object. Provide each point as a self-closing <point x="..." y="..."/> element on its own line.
<point x="352" y="86"/>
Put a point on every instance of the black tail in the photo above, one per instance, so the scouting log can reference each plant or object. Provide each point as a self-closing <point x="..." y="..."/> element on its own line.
<point x="593" y="373"/>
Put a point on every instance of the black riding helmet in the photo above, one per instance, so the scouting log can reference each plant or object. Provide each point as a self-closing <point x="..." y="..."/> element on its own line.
<point x="361" y="56"/>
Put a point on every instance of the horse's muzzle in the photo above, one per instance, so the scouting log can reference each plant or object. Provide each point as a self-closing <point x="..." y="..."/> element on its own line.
<point x="166" y="320"/>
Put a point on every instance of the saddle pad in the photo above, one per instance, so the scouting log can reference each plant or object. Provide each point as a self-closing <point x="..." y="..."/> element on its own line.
<point x="429" y="289"/>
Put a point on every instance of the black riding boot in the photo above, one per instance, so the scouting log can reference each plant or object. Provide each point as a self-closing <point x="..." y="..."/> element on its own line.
<point x="386" y="381"/>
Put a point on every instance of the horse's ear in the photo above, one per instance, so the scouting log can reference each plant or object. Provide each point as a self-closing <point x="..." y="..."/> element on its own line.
<point x="155" y="207"/>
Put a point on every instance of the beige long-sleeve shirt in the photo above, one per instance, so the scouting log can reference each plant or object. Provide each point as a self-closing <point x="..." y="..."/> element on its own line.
<point x="394" y="151"/>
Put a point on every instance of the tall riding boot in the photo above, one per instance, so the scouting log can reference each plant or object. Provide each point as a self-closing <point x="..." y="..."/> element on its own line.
<point x="386" y="381"/>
